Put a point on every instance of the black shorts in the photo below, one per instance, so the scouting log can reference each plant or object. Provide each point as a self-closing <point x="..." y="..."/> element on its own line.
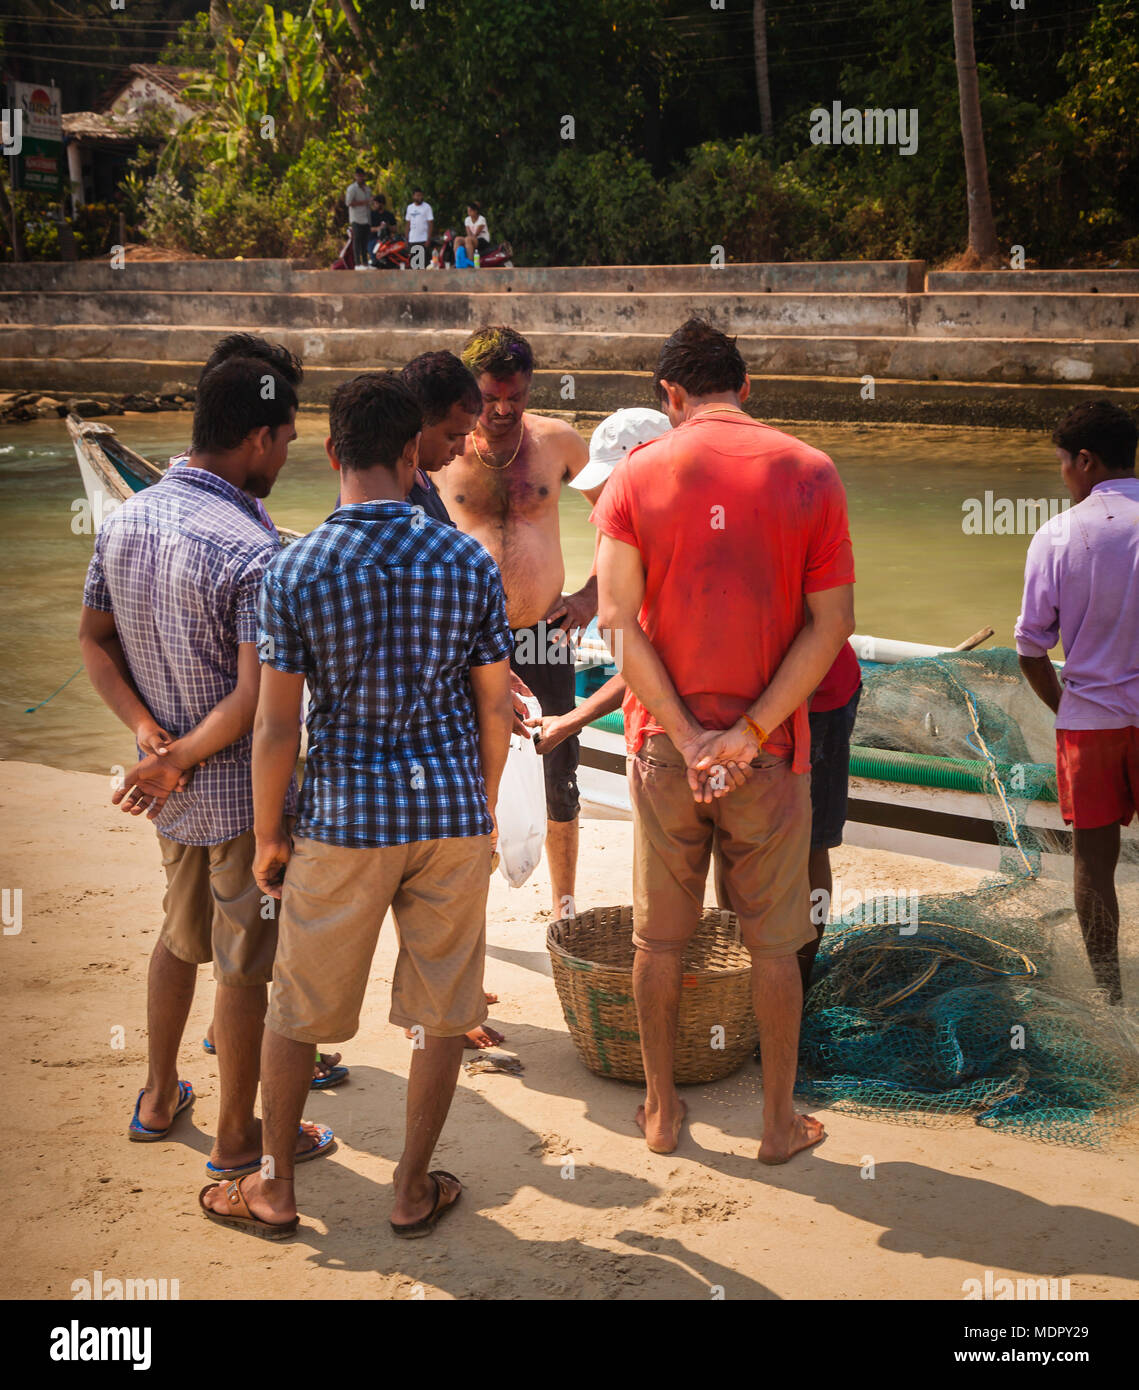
<point x="830" y="772"/>
<point x="554" y="685"/>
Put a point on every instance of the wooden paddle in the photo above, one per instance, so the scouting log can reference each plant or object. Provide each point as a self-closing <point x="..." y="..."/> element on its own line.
<point x="974" y="641"/>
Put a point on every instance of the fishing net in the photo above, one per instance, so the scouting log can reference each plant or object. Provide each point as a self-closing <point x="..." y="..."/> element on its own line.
<point x="981" y="1004"/>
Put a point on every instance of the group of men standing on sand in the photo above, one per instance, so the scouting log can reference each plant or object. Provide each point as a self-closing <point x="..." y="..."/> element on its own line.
<point x="417" y="615"/>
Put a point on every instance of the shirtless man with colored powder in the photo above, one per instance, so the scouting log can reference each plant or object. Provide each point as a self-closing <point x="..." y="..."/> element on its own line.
<point x="503" y="489"/>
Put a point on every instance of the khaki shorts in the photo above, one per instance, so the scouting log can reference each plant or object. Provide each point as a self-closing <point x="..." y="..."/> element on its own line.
<point x="213" y="910"/>
<point x="764" y="832"/>
<point x="332" y="906"/>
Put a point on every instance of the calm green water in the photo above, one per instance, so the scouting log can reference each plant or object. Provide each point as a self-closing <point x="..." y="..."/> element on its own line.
<point x="920" y="577"/>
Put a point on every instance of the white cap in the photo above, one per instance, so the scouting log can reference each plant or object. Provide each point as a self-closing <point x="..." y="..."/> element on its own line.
<point x="612" y="440"/>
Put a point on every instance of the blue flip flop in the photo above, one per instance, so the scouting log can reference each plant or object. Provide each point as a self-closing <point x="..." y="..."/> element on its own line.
<point x="208" y="1046"/>
<point x="336" y="1075"/>
<point x="138" y="1132"/>
<point x="325" y="1141"/>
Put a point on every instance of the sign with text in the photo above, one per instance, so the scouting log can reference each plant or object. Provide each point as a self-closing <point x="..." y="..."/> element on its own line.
<point x="42" y="136"/>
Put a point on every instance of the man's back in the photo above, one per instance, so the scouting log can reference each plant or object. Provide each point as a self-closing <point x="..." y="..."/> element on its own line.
<point x="180" y="565"/>
<point x="384" y="611"/>
<point x="735" y="522"/>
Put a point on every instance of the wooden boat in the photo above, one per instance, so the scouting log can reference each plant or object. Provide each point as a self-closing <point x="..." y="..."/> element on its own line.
<point x="933" y="807"/>
<point x="112" y="472"/>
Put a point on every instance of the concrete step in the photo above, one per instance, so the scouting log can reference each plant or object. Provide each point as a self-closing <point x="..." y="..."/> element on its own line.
<point x="832" y="398"/>
<point x="1104" y="362"/>
<point x="1035" y="281"/>
<point x="940" y="315"/>
<point x="223" y="276"/>
<point x="152" y="275"/>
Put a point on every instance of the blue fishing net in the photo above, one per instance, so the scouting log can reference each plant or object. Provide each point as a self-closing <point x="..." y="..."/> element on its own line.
<point x="967" y="1007"/>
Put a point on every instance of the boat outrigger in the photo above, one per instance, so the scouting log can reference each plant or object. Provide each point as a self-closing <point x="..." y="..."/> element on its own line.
<point x="934" y="807"/>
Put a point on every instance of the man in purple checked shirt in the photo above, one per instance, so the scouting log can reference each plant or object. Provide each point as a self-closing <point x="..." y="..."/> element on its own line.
<point x="168" y="634"/>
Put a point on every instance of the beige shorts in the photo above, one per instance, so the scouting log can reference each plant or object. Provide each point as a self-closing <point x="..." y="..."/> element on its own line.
<point x="332" y="906"/>
<point x="215" y="911"/>
<point x="764" y="832"/>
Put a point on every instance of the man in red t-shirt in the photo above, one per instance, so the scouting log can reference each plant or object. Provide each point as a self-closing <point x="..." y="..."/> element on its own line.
<point x="725" y="578"/>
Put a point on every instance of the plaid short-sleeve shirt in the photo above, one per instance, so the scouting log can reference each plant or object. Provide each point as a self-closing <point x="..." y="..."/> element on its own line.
<point x="180" y="566"/>
<point x="384" y="611"/>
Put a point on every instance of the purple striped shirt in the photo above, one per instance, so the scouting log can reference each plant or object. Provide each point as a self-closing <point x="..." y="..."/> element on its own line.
<point x="180" y="566"/>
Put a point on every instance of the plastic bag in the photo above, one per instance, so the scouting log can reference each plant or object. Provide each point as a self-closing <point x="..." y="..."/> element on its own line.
<point x="521" y="810"/>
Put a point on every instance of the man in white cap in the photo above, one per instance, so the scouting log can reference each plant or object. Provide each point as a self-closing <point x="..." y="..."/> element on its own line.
<point x="609" y="445"/>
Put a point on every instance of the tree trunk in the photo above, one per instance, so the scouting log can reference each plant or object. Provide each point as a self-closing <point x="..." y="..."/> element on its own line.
<point x="15" y="231"/>
<point x="762" y="85"/>
<point x="982" y="229"/>
<point x="349" y="8"/>
<point x="221" y="30"/>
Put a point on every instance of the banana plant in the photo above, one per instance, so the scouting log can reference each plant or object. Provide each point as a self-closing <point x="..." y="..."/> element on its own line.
<point x="277" y="93"/>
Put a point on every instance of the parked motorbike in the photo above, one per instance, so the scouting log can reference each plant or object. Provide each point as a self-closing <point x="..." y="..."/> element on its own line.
<point x="389" y="254"/>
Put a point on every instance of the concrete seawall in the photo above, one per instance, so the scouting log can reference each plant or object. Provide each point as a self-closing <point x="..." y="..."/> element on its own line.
<point x="1007" y="347"/>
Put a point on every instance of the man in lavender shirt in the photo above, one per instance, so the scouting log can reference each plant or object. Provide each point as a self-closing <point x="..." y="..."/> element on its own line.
<point x="1081" y="587"/>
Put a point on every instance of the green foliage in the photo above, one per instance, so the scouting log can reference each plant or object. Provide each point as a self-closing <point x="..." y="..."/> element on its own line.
<point x="591" y="209"/>
<point x="469" y="98"/>
<point x="280" y="96"/>
<point x="310" y="199"/>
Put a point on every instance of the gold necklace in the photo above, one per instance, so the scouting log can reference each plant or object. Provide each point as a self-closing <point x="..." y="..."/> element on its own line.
<point x="498" y="467"/>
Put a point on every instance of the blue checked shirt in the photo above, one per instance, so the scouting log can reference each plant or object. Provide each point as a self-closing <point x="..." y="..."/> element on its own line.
<point x="384" y="611"/>
<point x="179" y="565"/>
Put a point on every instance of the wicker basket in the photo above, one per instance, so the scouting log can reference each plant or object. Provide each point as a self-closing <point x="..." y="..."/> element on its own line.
<point x="592" y="957"/>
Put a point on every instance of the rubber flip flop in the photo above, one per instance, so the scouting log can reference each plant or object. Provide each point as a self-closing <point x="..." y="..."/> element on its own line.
<point x="240" y="1216"/>
<point x="413" y="1230"/>
<point x="325" y="1141"/>
<point x="138" y="1132"/>
<point x="336" y="1076"/>
<point x="208" y="1046"/>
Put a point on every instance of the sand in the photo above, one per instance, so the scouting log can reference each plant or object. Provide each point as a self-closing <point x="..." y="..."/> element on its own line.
<point x="943" y="1205"/>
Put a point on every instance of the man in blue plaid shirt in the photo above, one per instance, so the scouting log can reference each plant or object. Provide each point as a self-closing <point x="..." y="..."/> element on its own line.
<point x="398" y="624"/>
<point x="168" y="635"/>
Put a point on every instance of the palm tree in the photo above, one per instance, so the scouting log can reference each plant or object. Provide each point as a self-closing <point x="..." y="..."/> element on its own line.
<point x="762" y="85"/>
<point x="982" y="230"/>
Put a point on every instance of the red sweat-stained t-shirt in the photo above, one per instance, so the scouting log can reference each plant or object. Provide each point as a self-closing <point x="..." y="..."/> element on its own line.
<point x="837" y="687"/>
<point x="735" y="522"/>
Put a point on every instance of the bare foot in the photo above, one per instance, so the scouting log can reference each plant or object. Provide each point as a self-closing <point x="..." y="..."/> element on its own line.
<point x="308" y="1139"/>
<point x="419" y="1203"/>
<point x="483" y="1037"/>
<point x="325" y="1061"/>
<point x="662" y="1131"/>
<point x="805" y="1133"/>
<point x="490" y="998"/>
<point x="156" y="1110"/>
<point x="271" y="1201"/>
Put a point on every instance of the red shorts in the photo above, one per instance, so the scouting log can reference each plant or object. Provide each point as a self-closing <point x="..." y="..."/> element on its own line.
<point x="1097" y="774"/>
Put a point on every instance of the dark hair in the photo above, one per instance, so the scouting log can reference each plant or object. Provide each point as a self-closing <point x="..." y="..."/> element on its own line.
<point x="379" y="198"/>
<point x="498" y="350"/>
<point x="370" y="419"/>
<point x="1102" y="428"/>
<point x="414" y="191"/>
<point x="701" y="359"/>
<point x="359" y="169"/>
<point x="249" y="345"/>
<point x="438" y="380"/>
<point x="238" y="396"/>
<point x="472" y="204"/>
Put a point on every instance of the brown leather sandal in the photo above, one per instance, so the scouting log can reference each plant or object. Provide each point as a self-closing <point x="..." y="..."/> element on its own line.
<point x="239" y="1214"/>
